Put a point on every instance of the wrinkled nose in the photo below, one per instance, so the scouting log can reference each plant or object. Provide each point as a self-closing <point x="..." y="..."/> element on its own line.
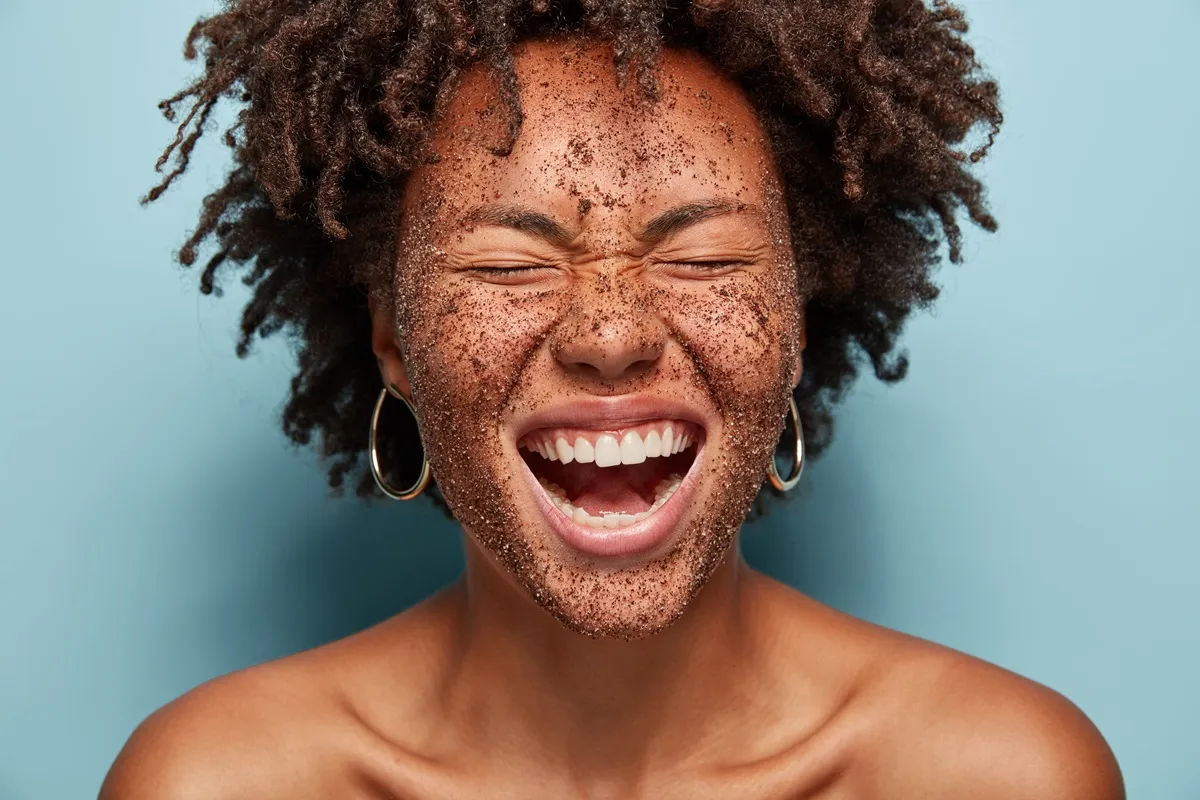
<point x="610" y="333"/>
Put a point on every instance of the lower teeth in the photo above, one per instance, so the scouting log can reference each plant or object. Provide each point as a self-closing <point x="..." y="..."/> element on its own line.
<point x="662" y="493"/>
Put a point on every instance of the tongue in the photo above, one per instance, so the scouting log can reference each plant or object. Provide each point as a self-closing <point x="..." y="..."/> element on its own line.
<point x="611" y="494"/>
<point x="624" y="489"/>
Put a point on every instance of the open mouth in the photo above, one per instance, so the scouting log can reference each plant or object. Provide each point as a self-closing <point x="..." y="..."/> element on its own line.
<point x="612" y="479"/>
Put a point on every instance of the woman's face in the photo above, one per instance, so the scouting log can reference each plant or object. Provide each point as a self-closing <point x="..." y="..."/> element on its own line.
<point x="601" y="329"/>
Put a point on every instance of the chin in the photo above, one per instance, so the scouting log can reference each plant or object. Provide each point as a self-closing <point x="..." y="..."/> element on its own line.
<point x="621" y="510"/>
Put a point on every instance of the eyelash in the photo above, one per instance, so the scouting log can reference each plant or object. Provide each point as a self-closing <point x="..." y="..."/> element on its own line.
<point x="509" y="276"/>
<point x="705" y="264"/>
<point x="693" y="266"/>
<point x="507" y="270"/>
<point x="702" y="270"/>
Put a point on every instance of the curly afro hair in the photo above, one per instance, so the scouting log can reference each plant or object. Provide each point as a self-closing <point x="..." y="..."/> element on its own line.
<point x="868" y="104"/>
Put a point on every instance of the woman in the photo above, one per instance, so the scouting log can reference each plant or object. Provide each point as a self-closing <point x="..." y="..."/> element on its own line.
<point x="602" y="253"/>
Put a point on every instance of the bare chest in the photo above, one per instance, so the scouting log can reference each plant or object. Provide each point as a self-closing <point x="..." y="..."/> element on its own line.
<point x="792" y="779"/>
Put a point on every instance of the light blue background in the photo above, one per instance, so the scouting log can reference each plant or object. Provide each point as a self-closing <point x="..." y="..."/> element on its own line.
<point x="1028" y="495"/>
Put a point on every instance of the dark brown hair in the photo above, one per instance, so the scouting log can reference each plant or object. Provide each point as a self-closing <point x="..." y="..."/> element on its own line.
<point x="869" y="105"/>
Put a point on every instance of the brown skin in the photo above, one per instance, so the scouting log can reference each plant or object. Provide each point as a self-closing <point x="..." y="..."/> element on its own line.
<point x="496" y="324"/>
<point x="700" y="677"/>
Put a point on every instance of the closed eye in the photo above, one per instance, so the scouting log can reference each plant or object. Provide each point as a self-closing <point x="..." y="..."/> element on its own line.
<point x="708" y="264"/>
<point x="512" y="274"/>
<point x="703" y="268"/>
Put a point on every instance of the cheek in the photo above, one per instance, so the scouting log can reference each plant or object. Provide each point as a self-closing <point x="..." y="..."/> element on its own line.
<point x="468" y="344"/>
<point x="742" y="333"/>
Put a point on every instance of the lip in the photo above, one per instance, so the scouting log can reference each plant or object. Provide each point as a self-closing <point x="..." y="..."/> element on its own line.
<point x="608" y="413"/>
<point x="613" y="414"/>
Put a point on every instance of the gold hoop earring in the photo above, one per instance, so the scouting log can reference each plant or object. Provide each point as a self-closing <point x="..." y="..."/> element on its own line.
<point x="373" y="448"/>
<point x="785" y="484"/>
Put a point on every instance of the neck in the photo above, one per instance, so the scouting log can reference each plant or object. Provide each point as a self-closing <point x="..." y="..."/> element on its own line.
<point x="595" y="703"/>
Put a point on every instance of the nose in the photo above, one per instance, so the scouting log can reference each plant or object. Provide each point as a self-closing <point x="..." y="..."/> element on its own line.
<point x="610" y="332"/>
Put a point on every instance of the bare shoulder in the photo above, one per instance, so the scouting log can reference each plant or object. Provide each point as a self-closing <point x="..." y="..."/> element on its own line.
<point x="293" y="728"/>
<point x="261" y="732"/>
<point x="953" y="726"/>
<point x="906" y="718"/>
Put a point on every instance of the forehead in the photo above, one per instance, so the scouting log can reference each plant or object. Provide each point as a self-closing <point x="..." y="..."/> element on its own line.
<point x="586" y="142"/>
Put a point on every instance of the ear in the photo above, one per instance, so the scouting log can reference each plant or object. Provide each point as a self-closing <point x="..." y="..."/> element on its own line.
<point x="801" y="343"/>
<point x="387" y="348"/>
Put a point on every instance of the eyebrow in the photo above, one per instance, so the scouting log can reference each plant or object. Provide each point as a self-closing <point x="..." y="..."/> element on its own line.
<point x="521" y="219"/>
<point x="676" y="219"/>
<point x="544" y="227"/>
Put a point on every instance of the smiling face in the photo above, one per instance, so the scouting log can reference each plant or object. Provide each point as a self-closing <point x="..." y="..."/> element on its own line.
<point x="601" y="329"/>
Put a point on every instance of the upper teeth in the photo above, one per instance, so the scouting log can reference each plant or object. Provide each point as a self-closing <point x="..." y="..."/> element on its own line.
<point x="607" y="450"/>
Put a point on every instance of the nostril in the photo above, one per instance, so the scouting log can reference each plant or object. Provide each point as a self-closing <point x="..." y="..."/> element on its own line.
<point x="641" y="366"/>
<point x="609" y="371"/>
<point x="611" y="362"/>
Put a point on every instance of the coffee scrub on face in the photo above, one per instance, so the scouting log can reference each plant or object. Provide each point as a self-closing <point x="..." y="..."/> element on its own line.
<point x="496" y="323"/>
